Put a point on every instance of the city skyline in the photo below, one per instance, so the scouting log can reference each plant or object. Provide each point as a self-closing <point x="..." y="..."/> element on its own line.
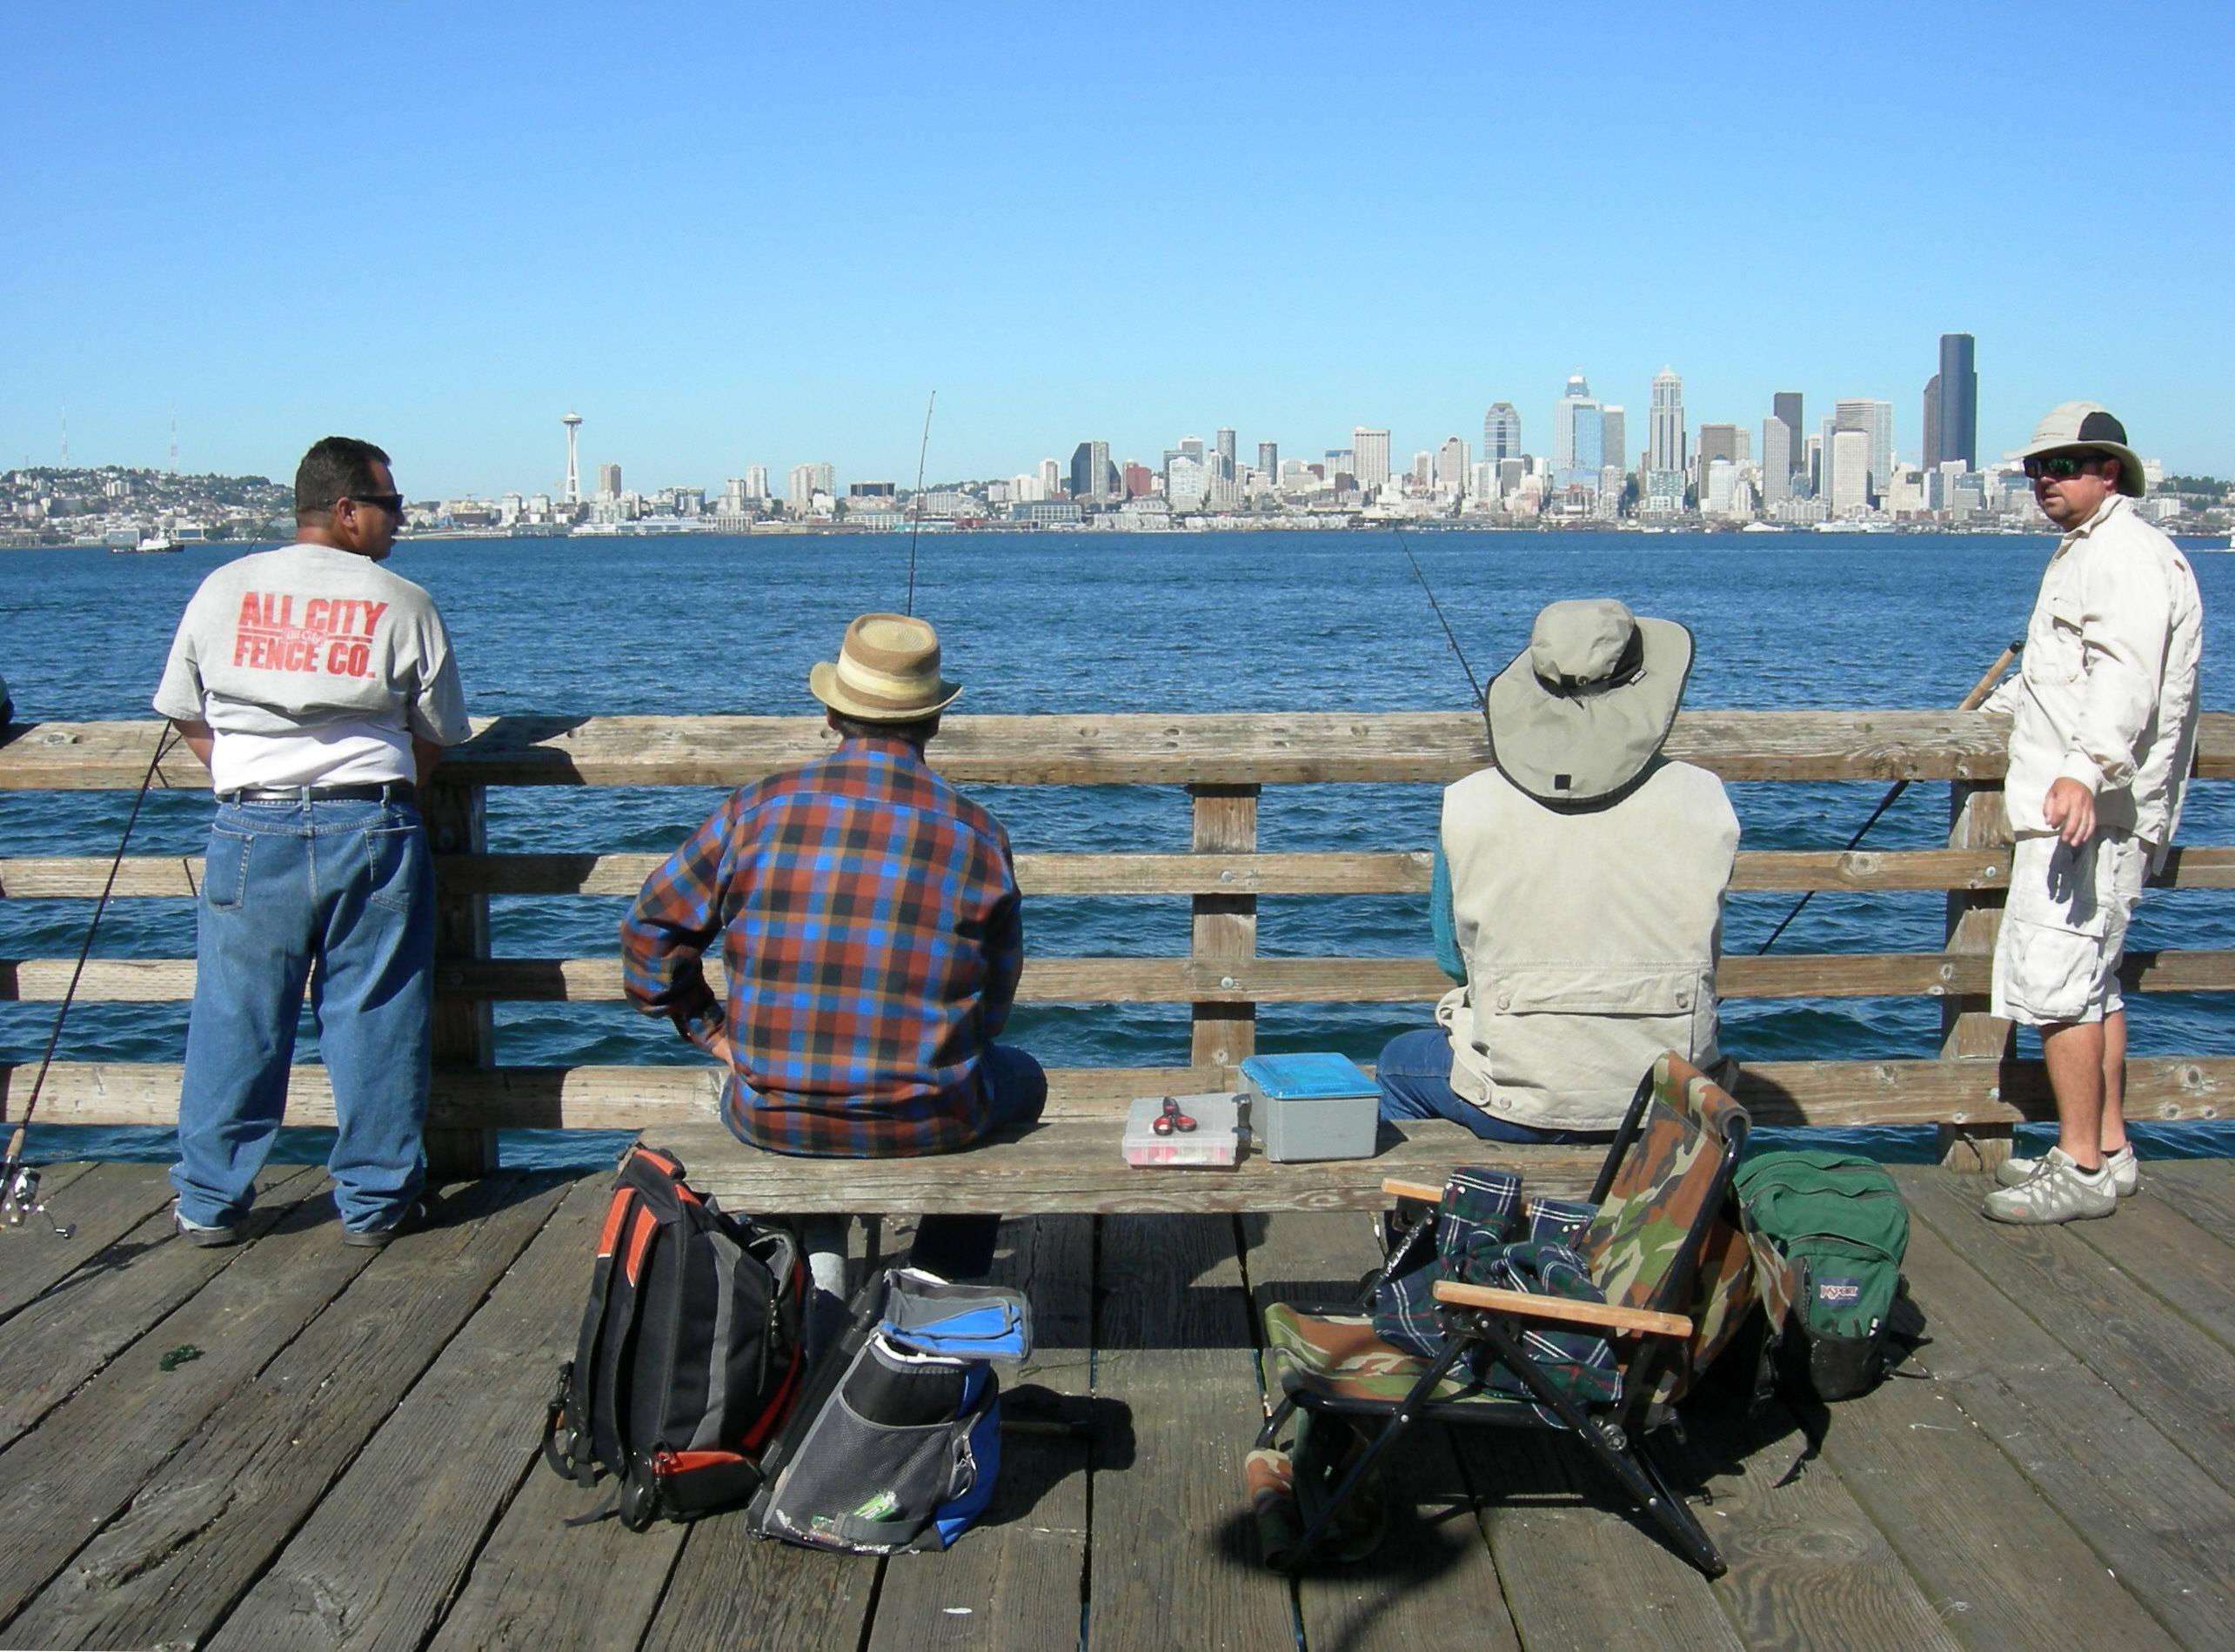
<point x="780" y="267"/>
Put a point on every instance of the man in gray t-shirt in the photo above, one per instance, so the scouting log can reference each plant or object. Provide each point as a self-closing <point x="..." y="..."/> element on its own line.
<point x="318" y="689"/>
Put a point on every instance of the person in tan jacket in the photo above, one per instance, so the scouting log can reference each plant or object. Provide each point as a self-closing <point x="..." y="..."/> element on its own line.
<point x="1578" y="891"/>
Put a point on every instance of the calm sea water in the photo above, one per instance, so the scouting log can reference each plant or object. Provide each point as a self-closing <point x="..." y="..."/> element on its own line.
<point x="1044" y="623"/>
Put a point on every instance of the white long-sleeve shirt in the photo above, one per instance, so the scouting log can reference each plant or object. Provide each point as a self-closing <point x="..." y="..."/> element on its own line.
<point x="2107" y="694"/>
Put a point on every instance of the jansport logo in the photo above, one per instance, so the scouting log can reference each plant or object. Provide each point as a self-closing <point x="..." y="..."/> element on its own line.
<point x="1839" y="1292"/>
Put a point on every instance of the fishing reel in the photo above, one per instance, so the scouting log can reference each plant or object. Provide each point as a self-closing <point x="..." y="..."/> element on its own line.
<point x="19" y="1197"/>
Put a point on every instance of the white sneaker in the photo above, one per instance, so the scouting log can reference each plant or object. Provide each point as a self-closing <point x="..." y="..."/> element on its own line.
<point x="2125" y="1172"/>
<point x="2058" y="1190"/>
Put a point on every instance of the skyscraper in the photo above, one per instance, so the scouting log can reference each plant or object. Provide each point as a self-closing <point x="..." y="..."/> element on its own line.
<point x="1615" y="424"/>
<point x="609" y="481"/>
<point x="1567" y="423"/>
<point x="1090" y="464"/>
<point x="1224" y="442"/>
<point x="1875" y="421"/>
<point x="1451" y="462"/>
<point x="1785" y="408"/>
<point x="1776" y="459"/>
<point x="1951" y="405"/>
<point x="1268" y="460"/>
<point x="1664" y="454"/>
<point x="1500" y="433"/>
<point x="1370" y="454"/>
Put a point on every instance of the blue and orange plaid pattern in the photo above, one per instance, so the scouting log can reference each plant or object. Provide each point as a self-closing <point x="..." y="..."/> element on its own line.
<point x="872" y="935"/>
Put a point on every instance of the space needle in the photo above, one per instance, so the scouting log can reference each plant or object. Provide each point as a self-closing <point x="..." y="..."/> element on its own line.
<point x="573" y="423"/>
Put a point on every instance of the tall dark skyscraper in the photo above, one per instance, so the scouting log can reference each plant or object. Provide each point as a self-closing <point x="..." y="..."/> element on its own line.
<point x="1785" y="408"/>
<point x="1951" y="405"/>
<point x="1090" y="467"/>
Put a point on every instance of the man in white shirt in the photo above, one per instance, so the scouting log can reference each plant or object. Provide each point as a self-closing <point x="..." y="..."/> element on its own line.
<point x="2102" y="730"/>
<point x="318" y="689"/>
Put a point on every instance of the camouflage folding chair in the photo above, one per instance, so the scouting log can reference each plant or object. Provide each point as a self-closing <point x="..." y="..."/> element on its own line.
<point x="1674" y="1273"/>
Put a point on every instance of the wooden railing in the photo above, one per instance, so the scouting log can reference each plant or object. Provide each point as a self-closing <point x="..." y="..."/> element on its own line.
<point x="1224" y="763"/>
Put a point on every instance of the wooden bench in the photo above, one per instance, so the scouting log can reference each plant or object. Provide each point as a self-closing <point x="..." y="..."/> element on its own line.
<point x="1974" y="1089"/>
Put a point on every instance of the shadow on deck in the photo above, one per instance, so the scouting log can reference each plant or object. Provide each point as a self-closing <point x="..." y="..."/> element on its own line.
<point x="292" y="1444"/>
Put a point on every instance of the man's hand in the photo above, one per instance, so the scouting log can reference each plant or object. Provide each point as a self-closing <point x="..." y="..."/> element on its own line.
<point x="2070" y="811"/>
<point x="713" y="1037"/>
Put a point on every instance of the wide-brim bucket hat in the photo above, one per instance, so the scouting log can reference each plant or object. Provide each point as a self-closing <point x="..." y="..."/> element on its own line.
<point x="1579" y="712"/>
<point x="2086" y="424"/>
<point x="886" y="671"/>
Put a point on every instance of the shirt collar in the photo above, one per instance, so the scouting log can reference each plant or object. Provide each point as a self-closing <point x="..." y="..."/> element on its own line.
<point x="2103" y="514"/>
<point x="883" y="746"/>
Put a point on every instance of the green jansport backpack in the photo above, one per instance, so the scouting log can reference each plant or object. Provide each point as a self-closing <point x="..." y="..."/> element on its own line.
<point x="1829" y="1231"/>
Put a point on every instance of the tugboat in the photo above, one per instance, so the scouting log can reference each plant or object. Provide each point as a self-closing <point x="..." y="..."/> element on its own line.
<point x="151" y="542"/>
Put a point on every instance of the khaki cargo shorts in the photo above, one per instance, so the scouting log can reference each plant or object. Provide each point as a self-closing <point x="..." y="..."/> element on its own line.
<point x="2064" y="929"/>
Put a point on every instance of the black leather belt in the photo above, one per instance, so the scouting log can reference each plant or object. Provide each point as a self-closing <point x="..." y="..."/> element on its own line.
<point x="376" y="792"/>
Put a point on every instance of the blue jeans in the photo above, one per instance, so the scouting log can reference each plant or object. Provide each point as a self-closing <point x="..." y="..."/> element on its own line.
<point x="339" y="895"/>
<point x="1414" y="1076"/>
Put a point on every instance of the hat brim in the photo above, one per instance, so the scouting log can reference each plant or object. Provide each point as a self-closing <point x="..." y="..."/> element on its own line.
<point x="2131" y="480"/>
<point x="823" y="683"/>
<point x="1562" y="750"/>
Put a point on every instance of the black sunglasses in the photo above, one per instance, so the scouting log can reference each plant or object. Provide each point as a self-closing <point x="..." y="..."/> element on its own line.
<point x="2061" y="467"/>
<point x="392" y="503"/>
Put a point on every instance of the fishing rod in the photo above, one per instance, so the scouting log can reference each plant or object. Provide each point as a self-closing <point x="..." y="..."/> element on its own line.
<point x="1971" y="702"/>
<point x="19" y="1182"/>
<point x="916" y="501"/>
<point x="1450" y="635"/>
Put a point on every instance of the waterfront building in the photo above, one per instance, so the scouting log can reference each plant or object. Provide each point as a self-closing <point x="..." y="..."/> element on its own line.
<point x="609" y="481"/>
<point x="806" y="481"/>
<point x="1451" y="462"/>
<point x="1500" y="433"/>
<point x="1140" y="480"/>
<point x="1369" y="450"/>
<point x="1777" y="460"/>
<point x="1186" y="482"/>
<point x="872" y="490"/>
<point x="1090" y="473"/>
<point x="1051" y="479"/>
<point x="1785" y="408"/>
<point x="1666" y="437"/>
<point x="1848" y="458"/>
<point x="1951" y="405"/>
<point x="756" y="481"/>
<point x="1875" y="421"/>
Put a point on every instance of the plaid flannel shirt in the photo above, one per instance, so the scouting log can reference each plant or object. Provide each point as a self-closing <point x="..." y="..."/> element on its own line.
<point x="872" y="935"/>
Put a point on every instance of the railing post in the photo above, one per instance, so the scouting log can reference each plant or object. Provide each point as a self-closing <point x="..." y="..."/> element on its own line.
<point x="1968" y="1030"/>
<point x="1225" y="926"/>
<point x="464" y="1029"/>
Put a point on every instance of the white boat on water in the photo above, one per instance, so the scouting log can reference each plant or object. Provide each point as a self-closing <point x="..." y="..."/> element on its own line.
<point x="1763" y="527"/>
<point x="155" y="542"/>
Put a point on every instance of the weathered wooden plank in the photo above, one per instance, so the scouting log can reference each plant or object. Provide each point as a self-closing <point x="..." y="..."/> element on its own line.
<point x="206" y="1524"/>
<point x="1174" y="1557"/>
<point x="92" y="1455"/>
<point x="1223" y="940"/>
<point x="1135" y="748"/>
<point x="1808" y="1568"/>
<point x="1434" y="1570"/>
<point x="731" y="1588"/>
<point x="462" y="1031"/>
<point x="658" y="1099"/>
<point x="1578" y="1569"/>
<point x="1074" y="1168"/>
<point x="2201" y="1190"/>
<point x="101" y="1203"/>
<point x="1237" y="980"/>
<point x="2178" y="1260"/>
<point x="2161" y="1525"/>
<point x="1014" y="1583"/>
<point x="76" y="1327"/>
<point x="2005" y="1569"/>
<point x="2166" y="1367"/>
<point x="1042" y="875"/>
<point x="387" y="1548"/>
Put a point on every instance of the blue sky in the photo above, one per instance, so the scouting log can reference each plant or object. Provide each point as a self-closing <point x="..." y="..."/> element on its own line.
<point x="740" y="234"/>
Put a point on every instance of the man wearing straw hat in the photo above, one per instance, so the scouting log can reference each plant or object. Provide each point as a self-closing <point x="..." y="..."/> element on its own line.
<point x="1577" y="894"/>
<point x="2103" y="728"/>
<point x="871" y="929"/>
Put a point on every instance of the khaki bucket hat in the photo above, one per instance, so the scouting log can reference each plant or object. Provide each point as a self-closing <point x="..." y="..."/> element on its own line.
<point x="886" y="671"/>
<point x="2086" y="424"/>
<point x="1579" y="712"/>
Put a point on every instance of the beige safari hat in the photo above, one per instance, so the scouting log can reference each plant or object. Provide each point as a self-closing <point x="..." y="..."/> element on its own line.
<point x="2071" y="425"/>
<point x="886" y="671"/>
<point x="1579" y="712"/>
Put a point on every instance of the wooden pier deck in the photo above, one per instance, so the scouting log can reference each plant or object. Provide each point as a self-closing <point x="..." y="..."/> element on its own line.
<point x="291" y="1444"/>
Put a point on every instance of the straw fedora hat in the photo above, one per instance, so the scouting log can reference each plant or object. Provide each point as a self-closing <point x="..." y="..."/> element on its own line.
<point x="2086" y="424"/>
<point x="886" y="671"/>
<point x="1579" y="712"/>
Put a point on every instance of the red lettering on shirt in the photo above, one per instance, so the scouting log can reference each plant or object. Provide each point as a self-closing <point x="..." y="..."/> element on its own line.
<point x="266" y="638"/>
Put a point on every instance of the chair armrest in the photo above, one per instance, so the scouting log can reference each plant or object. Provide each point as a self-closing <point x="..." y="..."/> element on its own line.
<point x="1627" y="1321"/>
<point x="1419" y="1190"/>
